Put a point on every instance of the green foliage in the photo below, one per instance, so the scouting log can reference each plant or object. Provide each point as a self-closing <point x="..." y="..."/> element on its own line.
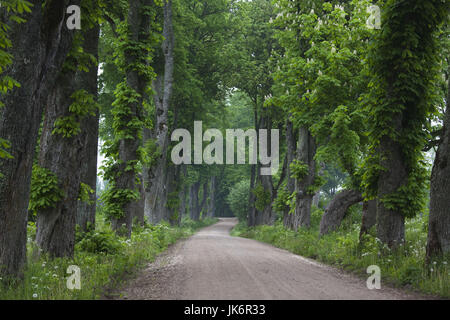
<point x="150" y="153"/>
<point x="103" y="257"/>
<point x="298" y="169"/>
<point x="14" y="9"/>
<point x="98" y="242"/>
<point x="45" y="191"/>
<point x="85" y="193"/>
<point x="404" y="69"/>
<point x="237" y="199"/>
<point x="342" y="249"/>
<point x="262" y="195"/>
<point x="115" y="199"/>
<point x="83" y="105"/>
<point x="284" y="201"/>
<point x="173" y="201"/>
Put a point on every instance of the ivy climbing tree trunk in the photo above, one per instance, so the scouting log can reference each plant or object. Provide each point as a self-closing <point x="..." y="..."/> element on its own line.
<point x="305" y="154"/>
<point x="403" y="64"/>
<point x="163" y="93"/>
<point x="65" y="152"/>
<point x="265" y="214"/>
<point x="39" y="48"/>
<point x="439" y="220"/>
<point x="390" y="222"/>
<point x="89" y="127"/>
<point x="131" y="110"/>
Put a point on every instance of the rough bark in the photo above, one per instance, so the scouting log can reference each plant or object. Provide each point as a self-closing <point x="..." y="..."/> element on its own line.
<point x="173" y="176"/>
<point x="39" y="47"/>
<point x="337" y="210"/>
<point x="163" y="87"/>
<point x="439" y="219"/>
<point x="138" y="210"/>
<point x="86" y="211"/>
<point x="391" y="223"/>
<point x="369" y="217"/>
<point x="267" y="215"/>
<point x="306" y="152"/>
<point x="139" y="30"/>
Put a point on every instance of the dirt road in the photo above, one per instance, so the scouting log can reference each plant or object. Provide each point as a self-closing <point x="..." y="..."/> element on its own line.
<point x="213" y="265"/>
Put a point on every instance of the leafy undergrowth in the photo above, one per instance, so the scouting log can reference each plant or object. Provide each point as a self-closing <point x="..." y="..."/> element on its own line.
<point x="404" y="268"/>
<point x="103" y="258"/>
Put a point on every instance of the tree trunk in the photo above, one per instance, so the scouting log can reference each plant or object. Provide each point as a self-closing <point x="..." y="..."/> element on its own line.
<point x="182" y="194"/>
<point x="212" y="197"/>
<point x="391" y="223"/>
<point x="39" y="48"/>
<point x="251" y="217"/>
<point x="306" y="153"/>
<point x="138" y="210"/>
<point x="204" y="203"/>
<point x="439" y="220"/>
<point x="139" y="32"/>
<point x="290" y="154"/>
<point x="369" y="217"/>
<point x="163" y="92"/>
<point x="337" y="209"/>
<point x="267" y="215"/>
<point x="193" y="201"/>
<point x="86" y="211"/>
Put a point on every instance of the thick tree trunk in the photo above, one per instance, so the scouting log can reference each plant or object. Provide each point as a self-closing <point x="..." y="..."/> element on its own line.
<point x="369" y="217"/>
<point x="139" y="31"/>
<point x="55" y="233"/>
<point x="390" y="223"/>
<point x="267" y="215"/>
<point x="337" y="209"/>
<point x="171" y="213"/>
<point x="39" y="48"/>
<point x="163" y="87"/>
<point x="86" y="211"/>
<point x="439" y="220"/>
<point x="138" y="211"/>
<point x="306" y="153"/>
<point x="67" y="157"/>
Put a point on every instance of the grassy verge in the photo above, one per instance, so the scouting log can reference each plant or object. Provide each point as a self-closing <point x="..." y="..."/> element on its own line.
<point x="103" y="259"/>
<point x="404" y="268"/>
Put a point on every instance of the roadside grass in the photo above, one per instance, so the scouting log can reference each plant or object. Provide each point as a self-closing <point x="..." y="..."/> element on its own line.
<point x="104" y="260"/>
<point x="404" y="268"/>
